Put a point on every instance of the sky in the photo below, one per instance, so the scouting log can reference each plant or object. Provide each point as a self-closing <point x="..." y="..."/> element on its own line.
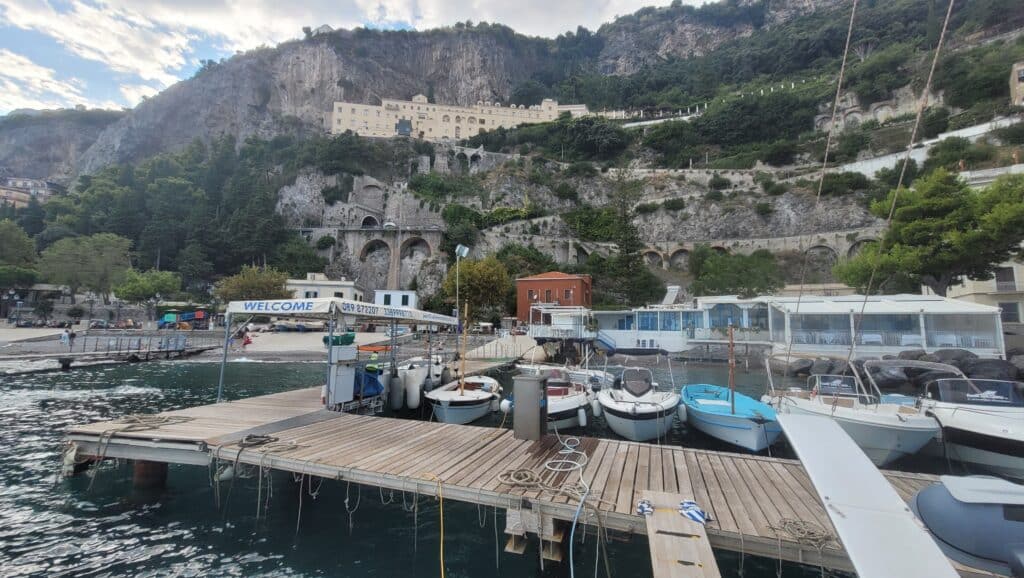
<point x="113" y="53"/>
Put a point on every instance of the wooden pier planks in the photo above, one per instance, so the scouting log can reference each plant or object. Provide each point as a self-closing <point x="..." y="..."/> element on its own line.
<point x="747" y="496"/>
<point x="679" y="546"/>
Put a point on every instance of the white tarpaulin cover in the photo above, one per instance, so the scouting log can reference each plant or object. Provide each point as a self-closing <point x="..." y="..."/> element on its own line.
<point x="325" y="307"/>
<point x="882" y="536"/>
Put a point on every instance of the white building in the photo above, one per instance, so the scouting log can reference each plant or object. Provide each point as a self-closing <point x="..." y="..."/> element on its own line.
<point x="318" y="285"/>
<point x="836" y="325"/>
<point x="395" y="298"/>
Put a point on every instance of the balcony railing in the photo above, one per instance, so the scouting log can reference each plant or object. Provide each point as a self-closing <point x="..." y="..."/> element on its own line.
<point x="1008" y="287"/>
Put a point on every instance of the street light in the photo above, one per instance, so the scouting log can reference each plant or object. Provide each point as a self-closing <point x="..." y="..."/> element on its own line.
<point x="460" y="252"/>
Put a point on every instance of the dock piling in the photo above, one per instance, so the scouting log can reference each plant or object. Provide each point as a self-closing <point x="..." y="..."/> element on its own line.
<point x="148" y="475"/>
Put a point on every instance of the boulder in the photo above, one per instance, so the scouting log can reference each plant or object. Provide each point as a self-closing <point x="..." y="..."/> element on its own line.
<point x="890" y="377"/>
<point x="1018" y="361"/>
<point x="990" y="369"/>
<point x="799" y="367"/>
<point x="889" y="356"/>
<point x="930" y="357"/>
<point x="840" y="367"/>
<point x="927" y="377"/>
<point x="821" y="366"/>
<point x="952" y="356"/>
<point x="911" y="354"/>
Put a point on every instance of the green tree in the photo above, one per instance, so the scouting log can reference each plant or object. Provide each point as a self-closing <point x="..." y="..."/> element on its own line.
<point x="194" y="266"/>
<point x="16" y="248"/>
<point x="297" y="258"/>
<point x="253" y="283"/>
<point x="43" y="309"/>
<point x="744" y="275"/>
<point x="95" y="262"/>
<point x="943" y="230"/>
<point x="139" y="287"/>
<point x="483" y="283"/>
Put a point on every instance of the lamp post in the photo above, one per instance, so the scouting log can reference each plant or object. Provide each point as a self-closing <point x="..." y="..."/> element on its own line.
<point x="460" y="252"/>
<point x="17" y="308"/>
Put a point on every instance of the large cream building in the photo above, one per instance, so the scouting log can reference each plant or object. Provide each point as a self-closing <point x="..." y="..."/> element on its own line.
<point x="437" y="122"/>
<point x="1005" y="291"/>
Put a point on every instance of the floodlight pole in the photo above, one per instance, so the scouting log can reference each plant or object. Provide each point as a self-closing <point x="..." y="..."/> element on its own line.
<point x="224" y="358"/>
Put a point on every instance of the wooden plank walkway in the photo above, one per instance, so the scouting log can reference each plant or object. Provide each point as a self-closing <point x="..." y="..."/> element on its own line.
<point x="679" y="546"/>
<point x="749" y="497"/>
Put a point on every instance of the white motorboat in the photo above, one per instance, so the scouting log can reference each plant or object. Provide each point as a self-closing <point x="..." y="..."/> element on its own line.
<point x="637" y="411"/>
<point x="884" y="431"/>
<point x="570" y="392"/>
<point x="465" y="402"/>
<point x="982" y="420"/>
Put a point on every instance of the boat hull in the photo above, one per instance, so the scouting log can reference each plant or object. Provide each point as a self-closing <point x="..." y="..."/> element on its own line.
<point x="460" y="413"/>
<point x="641" y="426"/>
<point x="882" y="443"/>
<point x="740" y="431"/>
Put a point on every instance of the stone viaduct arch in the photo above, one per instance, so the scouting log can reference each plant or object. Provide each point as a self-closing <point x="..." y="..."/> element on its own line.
<point x="824" y="246"/>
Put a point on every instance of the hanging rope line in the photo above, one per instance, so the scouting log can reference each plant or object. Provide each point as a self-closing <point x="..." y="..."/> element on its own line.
<point x="824" y="165"/>
<point x="922" y="104"/>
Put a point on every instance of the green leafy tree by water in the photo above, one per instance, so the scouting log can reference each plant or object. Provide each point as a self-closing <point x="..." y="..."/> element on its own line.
<point x="95" y="262"/>
<point x="943" y="230"/>
<point x="139" y="287"/>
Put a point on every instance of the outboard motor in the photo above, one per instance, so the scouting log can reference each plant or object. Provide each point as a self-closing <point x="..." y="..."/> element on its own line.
<point x="977" y="521"/>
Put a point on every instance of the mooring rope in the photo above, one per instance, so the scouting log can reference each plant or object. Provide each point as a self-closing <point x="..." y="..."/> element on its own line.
<point x="131" y="423"/>
<point x="804" y="532"/>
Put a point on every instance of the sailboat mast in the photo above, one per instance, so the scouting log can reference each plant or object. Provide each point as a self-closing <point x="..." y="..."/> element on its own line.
<point x="462" y="356"/>
<point x="732" y="372"/>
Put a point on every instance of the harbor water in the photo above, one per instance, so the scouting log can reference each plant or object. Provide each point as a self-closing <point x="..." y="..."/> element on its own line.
<point x="62" y="527"/>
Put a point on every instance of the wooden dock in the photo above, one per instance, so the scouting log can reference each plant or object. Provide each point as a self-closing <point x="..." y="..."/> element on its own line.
<point x="755" y="502"/>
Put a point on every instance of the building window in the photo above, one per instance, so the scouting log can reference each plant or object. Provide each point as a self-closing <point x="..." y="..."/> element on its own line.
<point x="647" y="320"/>
<point x="458" y="119"/>
<point x="1005" y="279"/>
<point x="311" y="294"/>
<point x="1010" y="312"/>
<point x="405" y="300"/>
<point x="531" y="294"/>
<point x="446" y="118"/>
<point x="567" y="295"/>
<point x="339" y="294"/>
<point x="547" y="295"/>
<point x="387" y="299"/>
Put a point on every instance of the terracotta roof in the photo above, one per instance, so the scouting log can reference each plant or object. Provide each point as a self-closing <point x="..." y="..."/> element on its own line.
<point x="552" y="275"/>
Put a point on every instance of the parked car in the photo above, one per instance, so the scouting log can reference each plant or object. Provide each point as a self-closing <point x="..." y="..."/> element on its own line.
<point x="23" y="323"/>
<point x="53" y="323"/>
<point x="99" y="324"/>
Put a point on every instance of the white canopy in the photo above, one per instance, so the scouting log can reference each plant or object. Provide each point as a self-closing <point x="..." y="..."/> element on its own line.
<point x="879" y="305"/>
<point x="326" y="307"/>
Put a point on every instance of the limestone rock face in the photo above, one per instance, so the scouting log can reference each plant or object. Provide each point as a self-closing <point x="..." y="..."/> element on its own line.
<point x="49" y="145"/>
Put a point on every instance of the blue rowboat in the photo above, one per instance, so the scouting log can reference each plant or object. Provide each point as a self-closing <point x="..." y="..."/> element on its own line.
<point x="709" y="409"/>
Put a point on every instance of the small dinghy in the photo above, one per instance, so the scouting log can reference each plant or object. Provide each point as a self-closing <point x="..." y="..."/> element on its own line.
<point x="464" y="401"/>
<point x="729" y="416"/>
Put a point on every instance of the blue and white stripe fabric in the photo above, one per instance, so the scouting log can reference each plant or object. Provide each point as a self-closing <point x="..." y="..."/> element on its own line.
<point x="644" y="508"/>
<point x="691" y="510"/>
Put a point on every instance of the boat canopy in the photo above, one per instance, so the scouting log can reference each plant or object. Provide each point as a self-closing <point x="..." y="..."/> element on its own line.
<point x="329" y="307"/>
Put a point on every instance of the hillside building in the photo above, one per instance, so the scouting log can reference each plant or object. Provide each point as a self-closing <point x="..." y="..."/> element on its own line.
<point x="1017" y="84"/>
<point x="317" y="285"/>
<point x="424" y="120"/>
<point x="395" y="298"/>
<point x="551" y="289"/>
<point x="18" y="191"/>
<point x="1005" y="291"/>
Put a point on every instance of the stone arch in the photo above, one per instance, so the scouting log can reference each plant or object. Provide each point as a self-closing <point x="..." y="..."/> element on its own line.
<point x="374" y="246"/>
<point x="824" y="251"/>
<point x="461" y="158"/>
<point x="474" y="161"/>
<point x="446" y="118"/>
<point x="653" y="258"/>
<point x="720" y="249"/>
<point x="458" y="118"/>
<point x="858" y="246"/>
<point x="413" y="252"/>
<point x="680" y="259"/>
<point x="414" y="245"/>
<point x="820" y="260"/>
<point x="471" y="120"/>
<point x="581" y="255"/>
<point x="370" y="222"/>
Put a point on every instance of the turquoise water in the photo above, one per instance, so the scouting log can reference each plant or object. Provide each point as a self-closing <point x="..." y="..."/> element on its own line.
<point x="59" y="527"/>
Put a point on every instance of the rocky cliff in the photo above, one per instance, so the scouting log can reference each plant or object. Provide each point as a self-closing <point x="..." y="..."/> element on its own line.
<point x="49" y="145"/>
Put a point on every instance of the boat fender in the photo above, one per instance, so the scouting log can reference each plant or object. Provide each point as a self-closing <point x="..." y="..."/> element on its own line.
<point x="506" y="405"/>
<point x="581" y="415"/>
<point x="595" y="406"/>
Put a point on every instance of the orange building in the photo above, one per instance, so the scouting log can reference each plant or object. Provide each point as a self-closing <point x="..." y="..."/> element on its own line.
<point x="551" y="288"/>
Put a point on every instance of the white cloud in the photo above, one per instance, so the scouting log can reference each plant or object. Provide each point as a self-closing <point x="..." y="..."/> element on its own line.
<point x="152" y="42"/>
<point x="134" y="93"/>
<point x="25" y="84"/>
